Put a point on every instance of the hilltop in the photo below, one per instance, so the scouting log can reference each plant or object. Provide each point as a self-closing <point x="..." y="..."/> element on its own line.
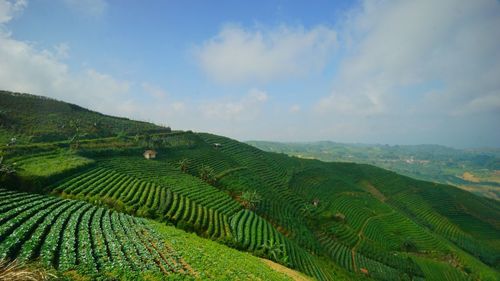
<point x="38" y="119"/>
<point x="330" y="221"/>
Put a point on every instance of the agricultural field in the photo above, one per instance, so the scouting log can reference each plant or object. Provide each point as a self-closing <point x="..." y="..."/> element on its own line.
<point x="74" y="235"/>
<point x="474" y="170"/>
<point x="210" y="207"/>
<point x="50" y="164"/>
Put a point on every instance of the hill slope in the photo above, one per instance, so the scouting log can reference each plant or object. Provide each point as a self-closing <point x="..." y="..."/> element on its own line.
<point x="32" y="119"/>
<point x="475" y="170"/>
<point x="331" y="221"/>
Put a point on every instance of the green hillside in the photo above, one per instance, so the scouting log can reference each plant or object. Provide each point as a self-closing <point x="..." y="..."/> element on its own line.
<point x="475" y="170"/>
<point x="330" y="221"/>
<point x="36" y="119"/>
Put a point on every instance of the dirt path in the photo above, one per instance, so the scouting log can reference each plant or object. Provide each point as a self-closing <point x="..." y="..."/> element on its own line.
<point x="373" y="191"/>
<point x="295" y="275"/>
<point x="361" y="237"/>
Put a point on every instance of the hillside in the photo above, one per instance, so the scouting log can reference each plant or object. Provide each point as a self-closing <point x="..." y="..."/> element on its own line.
<point x="36" y="119"/>
<point x="475" y="170"/>
<point x="330" y="221"/>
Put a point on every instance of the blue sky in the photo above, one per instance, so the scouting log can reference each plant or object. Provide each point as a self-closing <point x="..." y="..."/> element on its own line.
<point x="397" y="72"/>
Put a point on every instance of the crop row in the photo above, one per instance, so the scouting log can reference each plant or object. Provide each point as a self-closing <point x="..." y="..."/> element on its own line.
<point x="338" y="252"/>
<point x="164" y="174"/>
<point x="440" y="271"/>
<point x="197" y="190"/>
<point x="253" y="233"/>
<point x="393" y="230"/>
<point x="382" y="264"/>
<point x="146" y="199"/>
<point x="425" y="215"/>
<point x="270" y="175"/>
<point x="377" y="270"/>
<point x="68" y="234"/>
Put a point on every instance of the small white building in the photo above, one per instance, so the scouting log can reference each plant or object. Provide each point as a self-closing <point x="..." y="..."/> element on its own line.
<point x="149" y="154"/>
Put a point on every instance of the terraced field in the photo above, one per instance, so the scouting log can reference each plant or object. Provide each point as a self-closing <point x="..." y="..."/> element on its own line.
<point x="254" y="233"/>
<point x="269" y="175"/>
<point x="393" y="229"/>
<point x="146" y="199"/>
<point x="436" y="271"/>
<point x="166" y="174"/>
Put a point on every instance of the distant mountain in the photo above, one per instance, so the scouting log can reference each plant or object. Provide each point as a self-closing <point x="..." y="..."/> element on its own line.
<point x="476" y="170"/>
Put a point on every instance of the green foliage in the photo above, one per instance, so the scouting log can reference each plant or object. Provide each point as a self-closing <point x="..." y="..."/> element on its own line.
<point x="409" y="246"/>
<point x="40" y="119"/>
<point x="104" y="187"/>
<point x="60" y="231"/>
<point x="183" y="165"/>
<point x="46" y="165"/>
<point x="207" y="174"/>
<point x="275" y="251"/>
<point x="250" y="199"/>
<point x="212" y="260"/>
<point x="427" y="162"/>
<point x="6" y="169"/>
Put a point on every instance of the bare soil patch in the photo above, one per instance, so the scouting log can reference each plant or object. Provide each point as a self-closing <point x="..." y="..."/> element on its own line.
<point x="295" y="275"/>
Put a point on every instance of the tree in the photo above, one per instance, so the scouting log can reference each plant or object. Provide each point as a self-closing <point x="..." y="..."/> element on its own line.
<point x="122" y="135"/>
<point x="184" y="165"/>
<point x="75" y="125"/>
<point x="275" y="251"/>
<point x="207" y="174"/>
<point x="409" y="246"/>
<point x="6" y="169"/>
<point x="250" y="199"/>
<point x="307" y="210"/>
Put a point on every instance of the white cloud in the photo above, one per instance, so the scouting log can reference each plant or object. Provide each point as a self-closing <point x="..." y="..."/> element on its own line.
<point x="257" y="95"/>
<point x="238" y="55"/>
<point x="61" y="51"/>
<point x="154" y="91"/>
<point x="482" y="103"/>
<point x="295" y="108"/>
<point x="10" y="8"/>
<point x="244" y="109"/>
<point x="24" y="68"/>
<point x="397" y="47"/>
<point x="90" y="8"/>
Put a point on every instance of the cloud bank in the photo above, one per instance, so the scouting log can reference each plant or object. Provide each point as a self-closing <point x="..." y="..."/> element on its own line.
<point x="237" y="55"/>
<point x="420" y="56"/>
<point x="410" y="71"/>
<point x="8" y="9"/>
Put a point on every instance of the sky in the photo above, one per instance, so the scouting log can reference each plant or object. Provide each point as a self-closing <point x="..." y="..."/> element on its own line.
<point x="389" y="72"/>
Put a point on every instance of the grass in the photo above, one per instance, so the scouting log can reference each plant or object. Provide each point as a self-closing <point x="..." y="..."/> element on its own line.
<point x="49" y="164"/>
<point x="16" y="271"/>
<point x="212" y="260"/>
